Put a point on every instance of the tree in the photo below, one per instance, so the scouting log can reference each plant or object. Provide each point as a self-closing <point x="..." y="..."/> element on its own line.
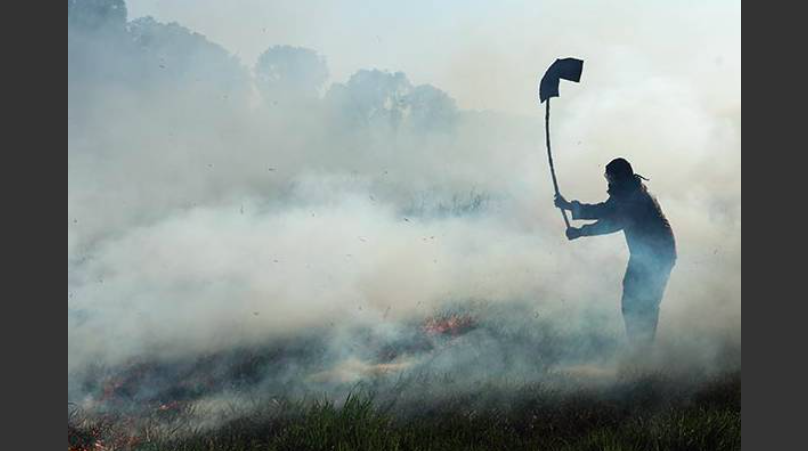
<point x="175" y="57"/>
<point x="289" y="74"/>
<point x="431" y="109"/>
<point x="372" y="98"/>
<point x="378" y="98"/>
<point x="97" y="15"/>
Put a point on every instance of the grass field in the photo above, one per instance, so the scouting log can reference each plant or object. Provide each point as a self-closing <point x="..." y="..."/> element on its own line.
<point x="643" y="413"/>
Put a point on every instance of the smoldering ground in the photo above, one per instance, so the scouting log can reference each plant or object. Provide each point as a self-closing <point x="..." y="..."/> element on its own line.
<point x="223" y="217"/>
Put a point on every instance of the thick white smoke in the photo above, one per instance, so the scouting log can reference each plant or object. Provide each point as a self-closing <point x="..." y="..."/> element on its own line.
<point x="208" y="211"/>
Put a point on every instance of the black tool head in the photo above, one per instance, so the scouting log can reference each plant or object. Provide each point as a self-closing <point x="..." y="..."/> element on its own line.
<point x="563" y="69"/>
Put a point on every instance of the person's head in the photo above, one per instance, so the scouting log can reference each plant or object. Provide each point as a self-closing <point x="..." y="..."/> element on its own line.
<point x="619" y="171"/>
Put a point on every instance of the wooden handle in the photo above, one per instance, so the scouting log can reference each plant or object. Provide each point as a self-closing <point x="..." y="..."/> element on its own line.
<point x="552" y="163"/>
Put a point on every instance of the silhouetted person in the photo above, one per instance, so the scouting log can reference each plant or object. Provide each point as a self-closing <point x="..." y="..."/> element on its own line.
<point x="633" y="210"/>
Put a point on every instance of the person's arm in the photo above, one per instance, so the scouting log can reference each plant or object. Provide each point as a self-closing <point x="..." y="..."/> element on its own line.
<point x="602" y="227"/>
<point x="605" y="210"/>
<point x="606" y="214"/>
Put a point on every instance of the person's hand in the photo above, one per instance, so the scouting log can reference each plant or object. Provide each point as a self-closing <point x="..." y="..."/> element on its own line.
<point x="573" y="233"/>
<point x="562" y="203"/>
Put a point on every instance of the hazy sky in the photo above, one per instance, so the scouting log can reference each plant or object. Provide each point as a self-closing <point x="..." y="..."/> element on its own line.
<point x="487" y="54"/>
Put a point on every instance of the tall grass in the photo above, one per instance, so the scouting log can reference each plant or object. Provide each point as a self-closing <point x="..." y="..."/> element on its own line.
<point x="646" y="414"/>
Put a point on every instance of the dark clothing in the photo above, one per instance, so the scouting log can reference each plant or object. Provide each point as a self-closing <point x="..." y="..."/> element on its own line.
<point x="633" y="210"/>
<point x="643" y="289"/>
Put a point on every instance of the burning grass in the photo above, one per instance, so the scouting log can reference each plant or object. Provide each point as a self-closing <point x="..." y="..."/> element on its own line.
<point x="480" y="380"/>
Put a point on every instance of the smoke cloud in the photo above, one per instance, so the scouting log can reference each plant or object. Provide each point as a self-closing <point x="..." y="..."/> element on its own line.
<point x="215" y="207"/>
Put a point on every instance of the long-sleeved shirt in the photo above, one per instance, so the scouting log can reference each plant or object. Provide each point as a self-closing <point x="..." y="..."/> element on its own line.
<point x="638" y="214"/>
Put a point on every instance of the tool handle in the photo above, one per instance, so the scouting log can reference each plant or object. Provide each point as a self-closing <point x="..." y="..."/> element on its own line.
<point x="552" y="163"/>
